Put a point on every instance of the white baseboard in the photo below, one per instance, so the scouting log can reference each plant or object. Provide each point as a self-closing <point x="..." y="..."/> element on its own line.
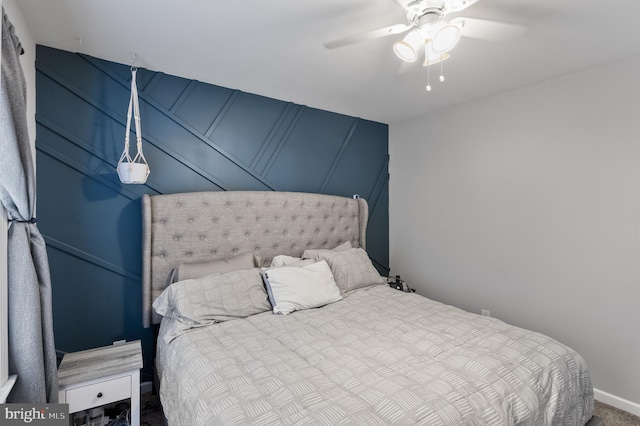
<point x="147" y="387"/>
<point x="616" y="401"/>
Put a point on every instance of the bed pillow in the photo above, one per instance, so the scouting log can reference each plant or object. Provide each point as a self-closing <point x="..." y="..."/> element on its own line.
<point x="352" y="269"/>
<point x="284" y="260"/>
<point x="214" y="298"/>
<point x="186" y="271"/>
<point x="309" y="286"/>
<point x="312" y="254"/>
<point x="300" y="263"/>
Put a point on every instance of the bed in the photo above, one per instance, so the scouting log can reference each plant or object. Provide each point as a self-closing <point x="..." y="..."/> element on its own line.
<point x="359" y="353"/>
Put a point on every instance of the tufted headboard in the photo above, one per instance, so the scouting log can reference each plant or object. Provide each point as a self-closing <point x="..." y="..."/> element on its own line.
<point x="199" y="226"/>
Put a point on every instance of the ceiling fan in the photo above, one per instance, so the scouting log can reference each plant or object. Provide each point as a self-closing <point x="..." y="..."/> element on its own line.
<point x="431" y="33"/>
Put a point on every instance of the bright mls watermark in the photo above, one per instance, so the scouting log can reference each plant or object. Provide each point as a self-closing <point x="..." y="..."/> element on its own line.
<point x="34" y="414"/>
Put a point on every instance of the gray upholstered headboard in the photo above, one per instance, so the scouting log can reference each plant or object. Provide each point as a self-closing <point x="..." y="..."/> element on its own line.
<point x="198" y="226"/>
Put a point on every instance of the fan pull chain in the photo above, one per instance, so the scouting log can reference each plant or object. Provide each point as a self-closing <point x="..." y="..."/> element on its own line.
<point x="441" y="67"/>
<point x="428" y="71"/>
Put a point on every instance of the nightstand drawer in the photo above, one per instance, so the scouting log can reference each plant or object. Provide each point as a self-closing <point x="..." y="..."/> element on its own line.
<point x="89" y="396"/>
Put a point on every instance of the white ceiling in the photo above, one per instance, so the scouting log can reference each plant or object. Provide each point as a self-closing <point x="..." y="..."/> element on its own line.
<point x="275" y="47"/>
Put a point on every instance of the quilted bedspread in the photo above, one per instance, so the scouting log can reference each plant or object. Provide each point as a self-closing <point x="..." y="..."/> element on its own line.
<point x="377" y="357"/>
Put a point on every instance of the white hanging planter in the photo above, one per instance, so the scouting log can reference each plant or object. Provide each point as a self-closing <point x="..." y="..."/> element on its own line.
<point x="130" y="172"/>
<point x="136" y="169"/>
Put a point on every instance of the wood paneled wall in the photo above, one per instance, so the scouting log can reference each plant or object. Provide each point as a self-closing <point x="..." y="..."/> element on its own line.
<point x="197" y="137"/>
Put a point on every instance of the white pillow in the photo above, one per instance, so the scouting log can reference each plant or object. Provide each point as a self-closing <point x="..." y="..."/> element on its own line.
<point x="292" y="289"/>
<point x="282" y="260"/>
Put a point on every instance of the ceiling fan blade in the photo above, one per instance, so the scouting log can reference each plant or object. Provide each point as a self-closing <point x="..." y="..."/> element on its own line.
<point x="453" y="6"/>
<point x="403" y="3"/>
<point x="489" y="30"/>
<point x="370" y="35"/>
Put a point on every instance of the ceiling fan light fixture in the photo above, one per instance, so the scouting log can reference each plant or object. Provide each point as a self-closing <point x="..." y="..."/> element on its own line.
<point x="408" y="48"/>
<point x="431" y="57"/>
<point x="444" y="37"/>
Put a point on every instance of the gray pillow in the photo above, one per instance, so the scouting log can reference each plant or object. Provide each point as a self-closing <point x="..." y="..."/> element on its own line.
<point x="186" y="271"/>
<point x="352" y="269"/>
<point x="214" y="298"/>
<point x="312" y="254"/>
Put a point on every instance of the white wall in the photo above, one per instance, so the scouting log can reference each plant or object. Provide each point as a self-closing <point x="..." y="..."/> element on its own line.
<point x="528" y="204"/>
<point x="28" y="61"/>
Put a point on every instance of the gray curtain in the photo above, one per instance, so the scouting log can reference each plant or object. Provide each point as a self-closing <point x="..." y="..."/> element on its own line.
<point x="31" y="347"/>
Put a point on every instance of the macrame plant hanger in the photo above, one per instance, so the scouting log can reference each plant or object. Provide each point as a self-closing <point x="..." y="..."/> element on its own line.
<point x="134" y="170"/>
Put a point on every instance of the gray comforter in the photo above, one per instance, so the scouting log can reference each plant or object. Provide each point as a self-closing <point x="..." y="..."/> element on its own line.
<point x="378" y="357"/>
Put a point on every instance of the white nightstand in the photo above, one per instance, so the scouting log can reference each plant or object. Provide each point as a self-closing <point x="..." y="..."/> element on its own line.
<point x="96" y="377"/>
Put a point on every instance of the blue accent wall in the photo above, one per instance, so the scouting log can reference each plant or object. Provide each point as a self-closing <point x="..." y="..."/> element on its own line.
<point x="197" y="137"/>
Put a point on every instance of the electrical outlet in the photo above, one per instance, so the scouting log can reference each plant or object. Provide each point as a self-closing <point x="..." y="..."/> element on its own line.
<point x="485" y="312"/>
